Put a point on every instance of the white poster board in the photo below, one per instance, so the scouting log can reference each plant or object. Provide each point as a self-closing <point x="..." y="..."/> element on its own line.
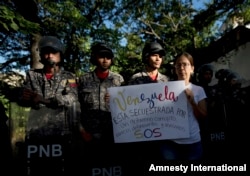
<point x="148" y="112"/>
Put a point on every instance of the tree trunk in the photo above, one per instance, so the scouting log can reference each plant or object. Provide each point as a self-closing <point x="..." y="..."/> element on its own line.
<point x="35" y="57"/>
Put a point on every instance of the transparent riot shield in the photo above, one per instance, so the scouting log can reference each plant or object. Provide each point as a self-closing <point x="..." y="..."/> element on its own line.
<point x="42" y="139"/>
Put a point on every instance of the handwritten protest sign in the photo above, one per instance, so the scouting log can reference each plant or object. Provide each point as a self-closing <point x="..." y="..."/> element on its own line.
<point x="149" y="112"/>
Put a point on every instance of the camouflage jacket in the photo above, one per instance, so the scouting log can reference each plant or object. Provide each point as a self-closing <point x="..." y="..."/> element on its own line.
<point x="95" y="111"/>
<point x="144" y="78"/>
<point x="44" y="121"/>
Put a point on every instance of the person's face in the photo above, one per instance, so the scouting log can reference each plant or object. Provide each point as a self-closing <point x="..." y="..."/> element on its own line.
<point x="183" y="68"/>
<point x="154" y="61"/>
<point x="104" y="61"/>
<point x="207" y="76"/>
<point x="50" y="54"/>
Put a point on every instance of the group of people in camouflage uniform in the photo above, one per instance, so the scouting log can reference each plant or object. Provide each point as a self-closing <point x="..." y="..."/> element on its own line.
<point x="62" y="105"/>
<point x="224" y="130"/>
<point x="66" y="108"/>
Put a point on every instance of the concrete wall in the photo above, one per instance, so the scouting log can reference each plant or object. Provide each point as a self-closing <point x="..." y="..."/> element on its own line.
<point x="238" y="60"/>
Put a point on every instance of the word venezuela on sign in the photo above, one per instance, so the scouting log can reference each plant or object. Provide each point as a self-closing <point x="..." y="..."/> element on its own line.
<point x="149" y="112"/>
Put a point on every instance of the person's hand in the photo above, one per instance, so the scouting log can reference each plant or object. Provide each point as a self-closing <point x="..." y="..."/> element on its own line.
<point x="190" y="96"/>
<point x="39" y="99"/>
<point x="29" y="95"/>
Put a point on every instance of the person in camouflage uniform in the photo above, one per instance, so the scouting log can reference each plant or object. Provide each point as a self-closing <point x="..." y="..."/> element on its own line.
<point x="235" y="99"/>
<point x="94" y="101"/>
<point x="227" y="124"/>
<point x="152" y="56"/>
<point x="50" y="92"/>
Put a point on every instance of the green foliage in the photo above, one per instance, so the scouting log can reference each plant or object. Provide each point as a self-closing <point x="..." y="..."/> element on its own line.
<point x="80" y="23"/>
<point x="12" y="21"/>
<point x="18" y="116"/>
<point x="245" y="11"/>
<point x="7" y="19"/>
